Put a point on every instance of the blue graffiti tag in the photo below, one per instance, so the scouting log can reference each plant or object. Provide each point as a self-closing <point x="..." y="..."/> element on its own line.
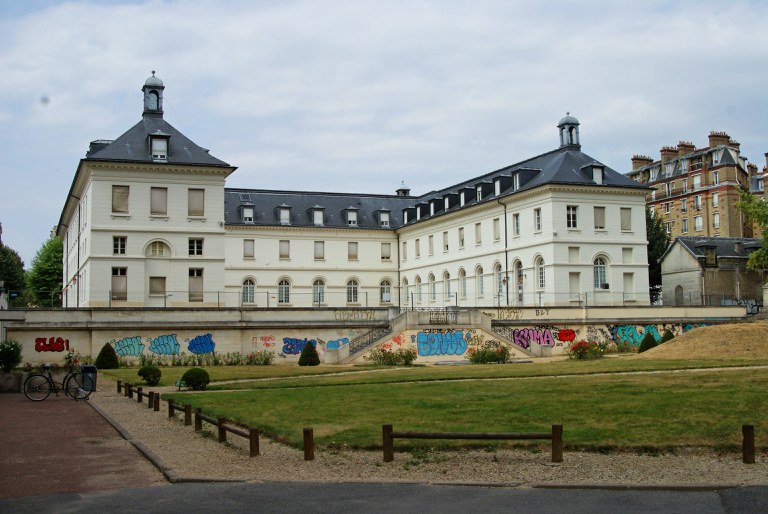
<point x="338" y="343"/>
<point x="165" y="345"/>
<point x="129" y="346"/>
<point x="441" y="343"/>
<point x="202" y="344"/>
<point x="292" y="346"/>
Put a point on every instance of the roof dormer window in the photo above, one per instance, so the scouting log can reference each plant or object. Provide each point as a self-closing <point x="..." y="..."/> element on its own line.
<point x="247" y="214"/>
<point x="516" y="182"/>
<point x="285" y="215"/>
<point x="597" y="174"/>
<point x="384" y="219"/>
<point x="352" y="218"/>
<point x="479" y="193"/>
<point x="317" y="216"/>
<point x="159" y="148"/>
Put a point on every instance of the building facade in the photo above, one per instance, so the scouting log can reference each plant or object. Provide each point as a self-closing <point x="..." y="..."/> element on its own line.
<point x="148" y="221"/>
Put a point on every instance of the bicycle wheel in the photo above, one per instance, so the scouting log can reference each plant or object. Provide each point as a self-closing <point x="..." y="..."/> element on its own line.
<point x="79" y="386"/>
<point x="37" y="387"/>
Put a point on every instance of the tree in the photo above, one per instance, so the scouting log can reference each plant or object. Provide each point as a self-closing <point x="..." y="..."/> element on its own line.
<point x="11" y="267"/>
<point x="658" y="241"/>
<point x="44" y="277"/>
<point x="309" y="356"/>
<point x="756" y="211"/>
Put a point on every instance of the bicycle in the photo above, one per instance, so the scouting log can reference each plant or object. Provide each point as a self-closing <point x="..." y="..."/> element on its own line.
<point x="75" y="384"/>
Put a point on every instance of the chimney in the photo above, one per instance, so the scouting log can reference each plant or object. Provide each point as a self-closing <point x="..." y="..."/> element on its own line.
<point x="403" y="190"/>
<point x="684" y="148"/>
<point x="718" y="139"/>
<point x="668" y="153"/>
<point x="639" y="161"/>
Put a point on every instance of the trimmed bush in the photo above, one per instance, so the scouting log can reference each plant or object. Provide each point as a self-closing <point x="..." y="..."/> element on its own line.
<point x="668" y="335"/>
<point x="400" y="357"/>
<point x="107" y="358"/>
<point x="488" y="355"/>
<point x="150" y="374"/>
<point x="309" y="356"/>
<point x="196" y="379"/>
<point x="10" y="354"/>
<point x="647" y="343"/>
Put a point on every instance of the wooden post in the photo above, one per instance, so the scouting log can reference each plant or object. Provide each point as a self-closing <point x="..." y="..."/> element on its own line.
<point x="188" y="414"/>
<point x="150" y="399"/>
<point x="222" y="430"/>
<point x="119" y="386"/>
<point x="253" y="438"/>
<point x="170" y="408"/>
<point x="198" y="420"/>
<point x="557" y="443"/>
<point x="126" y="387"/>
<point x="157" y="402"/>
<point x="309" y="444"/>
<point x="748" y="444"/>
<point x="130" y="391"/>
<point x="388" y="443"/>
<point x="139" y="391"/>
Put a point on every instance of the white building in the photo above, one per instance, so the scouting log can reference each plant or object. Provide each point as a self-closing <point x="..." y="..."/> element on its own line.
<point x="148" y="222"/>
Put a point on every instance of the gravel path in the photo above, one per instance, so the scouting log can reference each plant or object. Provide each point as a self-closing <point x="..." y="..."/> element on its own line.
<point x="187" y="455"/>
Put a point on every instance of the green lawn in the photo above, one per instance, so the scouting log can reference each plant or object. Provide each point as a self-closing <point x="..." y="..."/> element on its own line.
<point x="599" y="408"/>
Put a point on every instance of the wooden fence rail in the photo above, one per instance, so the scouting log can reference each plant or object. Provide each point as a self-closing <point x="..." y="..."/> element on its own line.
<point x="252" y="434"/>
<point x="390" y="435"/>
<point x="187" y="409"/>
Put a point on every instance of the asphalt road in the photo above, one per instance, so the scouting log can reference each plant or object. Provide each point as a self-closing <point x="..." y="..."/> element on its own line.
<point x="400" y="498"/>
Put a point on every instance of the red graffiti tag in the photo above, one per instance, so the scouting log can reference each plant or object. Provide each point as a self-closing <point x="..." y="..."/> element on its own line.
<point x="398" y="339"/>
<point x="53" y="344"/>
<point x="566" y="335"/>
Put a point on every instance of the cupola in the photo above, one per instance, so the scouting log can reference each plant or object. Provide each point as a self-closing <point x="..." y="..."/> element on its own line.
<point x="153" y="96"/>
<point x="569" y="131"/>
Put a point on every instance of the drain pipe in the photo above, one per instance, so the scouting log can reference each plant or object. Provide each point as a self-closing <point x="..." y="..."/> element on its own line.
<point x="506" y="251"/>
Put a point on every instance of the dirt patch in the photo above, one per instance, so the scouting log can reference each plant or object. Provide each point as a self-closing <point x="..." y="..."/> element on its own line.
<point x="727" y="341"/>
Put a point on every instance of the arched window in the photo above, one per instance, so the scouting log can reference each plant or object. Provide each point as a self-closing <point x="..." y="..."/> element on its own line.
<point x="284" y="292"/>
<point x="406" y="300"/>
<point x="158" y="249"/>
<point x="499" y="278"/>
<point x="463" y="283"/>
<point x="249" y="290"/>
<point x="419" y="290"/>
<point x="480" y="281"/>
<point x="599" y="267"/>
<point x="541" y="277"/>
<point x="352" y="287"/>
<point x="518" y="266"/>
<point x="385" y="291"/>
<point x="318" y="291"/>
<point x="447" y="286"/>
<point x="432" y="288"/>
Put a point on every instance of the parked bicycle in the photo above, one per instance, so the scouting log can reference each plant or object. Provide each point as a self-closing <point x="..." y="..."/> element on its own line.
<point x="75" y="384"/>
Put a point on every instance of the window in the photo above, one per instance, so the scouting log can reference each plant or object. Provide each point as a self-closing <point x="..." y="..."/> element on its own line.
<point x="352" y="251"/>
<point x="431" y="245"/>
<point x="696" y="182"/>
<point x="496" y="229"/>
<point x="159" y="148"/>
<point x="463" y="283"/>
<point x="499" y="278"/>
<point x="196" y="202"/>
<point x="625" y="215"/>
<point x="461" y="238"/>
<point x="571" y="216"/>
<point x="599" y="218"/>
<point x="668" y="187"/>
<point x="352" y="287"/>
<point x="599" y="267"/>
<point x="386" y="251"/>
<point x="716" y="220"/>
<point x="478" y="234"/>
<point x="156" y="249"/>
<point x="479" y="281"/>
<point x="447" y="286"/>
<point x="285" y="249"/>
<point x="597" y="174"/>
<point x="405" y="250"/>
<point x="195" y="246"/>
<point x="716" y="157"/>
<point x="248" y="292"/>
<point x="684" y="227"/>
<point x="120" y="199"/>
<point x="120" y="284"/>
<point x="317" y="217"/>
<point x="319" y="250"/>
<point x="158" y="201"/>
<point x="715" y="199"/>
<point x="318" y="291"/>
<point x="384" y="219"/>
<point x="516" y="181"/>
<point x="247" y="214"/>
<point x="541" y="273"/>
<point x="683" y="205"/>
<point x="479" y="193"/>
<point x="716" y="177"/>
<point x="352" y="218"/>
<point x="432" y="287"/>
<point x="157" y="286"/>
<point x="419" y="290"/>
<point x="195" y="284"/>
<point x="497" y="187"/>
<point x="283" y="292"/>
<point x="697" y="202"/>
<point x="684" y="185"/>
<point x="461" y="199"/>
<point x="668" y="227"/>
<point x="537" y="220"/>
<point x="385" y="291"/>
<point x="118" y="245"/>
<point x="445" y="241"/>
<point x="248" y="249"/>
<point x="516" y="224"/>
<point x="417" y="248"/>
<point x="698" y="223"/>
<point x="285" y="215"/>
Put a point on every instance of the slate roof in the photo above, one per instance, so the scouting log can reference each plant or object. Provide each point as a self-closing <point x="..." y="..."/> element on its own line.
<point x="133" y="146"/>
<point x="567" y="165"/>
<point x="728" y="247"/>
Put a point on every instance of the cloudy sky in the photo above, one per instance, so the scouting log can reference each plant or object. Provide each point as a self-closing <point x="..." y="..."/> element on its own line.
<point x="360" y="96"/>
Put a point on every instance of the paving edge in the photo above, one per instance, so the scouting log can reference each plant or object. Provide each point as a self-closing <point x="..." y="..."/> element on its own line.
<point x="169" y="473"/>
<point x="640" y="487"/>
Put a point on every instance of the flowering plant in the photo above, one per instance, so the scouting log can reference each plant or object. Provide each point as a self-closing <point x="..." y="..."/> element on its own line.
<point x="586" y="350"/>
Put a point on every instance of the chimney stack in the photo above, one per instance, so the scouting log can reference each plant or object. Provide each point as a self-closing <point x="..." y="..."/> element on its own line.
<point x="668" y="153"/>
<point x="718" y="139"/>
<point x="639" y="161"/>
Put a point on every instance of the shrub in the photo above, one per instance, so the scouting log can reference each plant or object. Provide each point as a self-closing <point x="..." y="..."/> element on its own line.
<point x="586" y="350"/>
<point x="10" y="354"/>
<point x="107" y="358"/>
<point x="488" y="355"/>
<point x="400" y="357"/>
<point x="196" y="379"/>
<point x="309" y="356"/>
<point x="668" y="335"/>
<point x="150" y="374"/>
<point x="647" y="343"/>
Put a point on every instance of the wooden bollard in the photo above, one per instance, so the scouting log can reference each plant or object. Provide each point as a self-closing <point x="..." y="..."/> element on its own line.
<point x="748" y="444"/>
<point x="309" y="444"/>
<point x="130" y="391"/>
<point x="557" y="443"/>
<point x="222" y="430"/>
<point x="170" y="407"/>
<point x="150" y="399"/>
<point x="198" y="420"/>
<point x="388" y="443"/>
<point x="138" y="394"/>
<point x="126" y="387"/>
<point x="253" y="438"/>
<point x="119" y="386"/>
<point x="188" y="414"/>
<point x="157" y="402"/>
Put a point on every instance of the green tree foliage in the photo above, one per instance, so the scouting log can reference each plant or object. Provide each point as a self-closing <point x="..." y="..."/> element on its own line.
<point x="11" y="269"/>
<point x="107" y="358"/>
<point x="10" y="354"/>
<point x="196" y="378"/>
<point x="658" y="241"/>
<point x="756" y="211"/>
<point x="309" y="356"/>
<point x="150" y="374"/>
<point x="45" y="275"/>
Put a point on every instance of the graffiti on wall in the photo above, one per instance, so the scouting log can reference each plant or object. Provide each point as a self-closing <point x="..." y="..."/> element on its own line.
<point x="353" y="315"/>
<point x="441" y="342"/>
<point x="166" y="344"/>
<point x="336" y="344"/>
<point x="51" y="344"/>
<point x="541" y="335"/>
<point x="129" y="346"/>
<point x="201" y="344"/>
